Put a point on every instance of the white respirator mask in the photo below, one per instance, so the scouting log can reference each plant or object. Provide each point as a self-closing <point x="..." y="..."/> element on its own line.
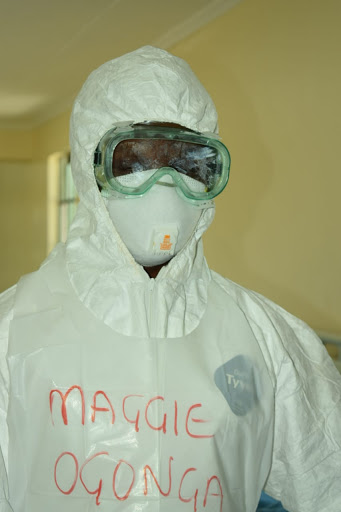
<point x="155" y="226"/>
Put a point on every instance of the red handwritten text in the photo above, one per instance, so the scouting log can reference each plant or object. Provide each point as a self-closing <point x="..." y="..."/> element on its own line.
<point x="206" y="491"/>
<point x="135" y="407"/>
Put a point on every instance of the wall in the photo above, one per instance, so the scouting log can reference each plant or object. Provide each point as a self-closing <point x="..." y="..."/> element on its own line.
<point x="273" y="70"/>
<point x="51" y="136"/>
<point x="15" y="145"/>
<point x="23" y="195"/>
<point x="23" y="219"/>
<point x="272" y="67"/>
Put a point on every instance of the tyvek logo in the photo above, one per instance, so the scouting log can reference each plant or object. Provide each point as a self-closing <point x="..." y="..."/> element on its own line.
<point x="237" y="381"/>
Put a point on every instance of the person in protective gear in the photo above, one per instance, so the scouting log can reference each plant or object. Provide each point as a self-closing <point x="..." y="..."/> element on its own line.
<point x="185" y="392"/>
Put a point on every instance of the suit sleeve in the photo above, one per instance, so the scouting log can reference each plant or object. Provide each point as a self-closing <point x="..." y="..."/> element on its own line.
<point x="306" y="467"/>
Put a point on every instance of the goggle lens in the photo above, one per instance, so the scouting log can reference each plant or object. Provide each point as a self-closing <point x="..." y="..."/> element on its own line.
<point x="196" y="161"/>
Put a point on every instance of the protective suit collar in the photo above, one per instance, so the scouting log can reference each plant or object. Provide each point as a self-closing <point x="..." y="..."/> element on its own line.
<point x="118" y="290"/>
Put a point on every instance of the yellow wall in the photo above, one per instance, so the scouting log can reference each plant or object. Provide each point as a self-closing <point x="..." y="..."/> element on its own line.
<point x="16" y="145"/>
<point x="23" y="195"/>
<point x="22" y="219"/>
<point x="51" y="137"/>
<point x="272" y="68"/>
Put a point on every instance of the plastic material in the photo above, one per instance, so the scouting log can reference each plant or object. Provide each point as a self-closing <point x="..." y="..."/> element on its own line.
<point x="130" y="423"/>
<point x="268" y="504"/>
<point x="127" y="154"/>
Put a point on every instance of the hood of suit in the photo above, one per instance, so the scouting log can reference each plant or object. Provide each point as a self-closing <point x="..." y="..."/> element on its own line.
<point x="148" y="84"/>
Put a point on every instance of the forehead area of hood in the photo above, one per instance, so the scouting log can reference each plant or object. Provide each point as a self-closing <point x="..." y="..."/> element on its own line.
<point x="148" y="84"/>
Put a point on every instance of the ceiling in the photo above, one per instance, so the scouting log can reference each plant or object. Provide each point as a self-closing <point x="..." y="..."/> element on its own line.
<point x="48" y="48"/>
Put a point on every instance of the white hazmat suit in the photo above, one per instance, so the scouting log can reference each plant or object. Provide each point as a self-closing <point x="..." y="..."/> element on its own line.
<point x="182" y="393"/>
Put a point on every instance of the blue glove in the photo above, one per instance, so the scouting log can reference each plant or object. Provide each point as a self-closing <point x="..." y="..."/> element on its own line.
<point x="268" y="504"/>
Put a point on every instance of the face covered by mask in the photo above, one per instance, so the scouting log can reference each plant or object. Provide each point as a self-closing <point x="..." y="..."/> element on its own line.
<point x="156" y="178"/>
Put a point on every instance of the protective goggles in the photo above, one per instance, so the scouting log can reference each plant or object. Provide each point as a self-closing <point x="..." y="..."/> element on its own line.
<point x="129" y="160"/>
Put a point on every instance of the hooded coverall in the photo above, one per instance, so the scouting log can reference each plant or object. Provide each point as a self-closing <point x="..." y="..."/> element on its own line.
<point x="185" y="392"/>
